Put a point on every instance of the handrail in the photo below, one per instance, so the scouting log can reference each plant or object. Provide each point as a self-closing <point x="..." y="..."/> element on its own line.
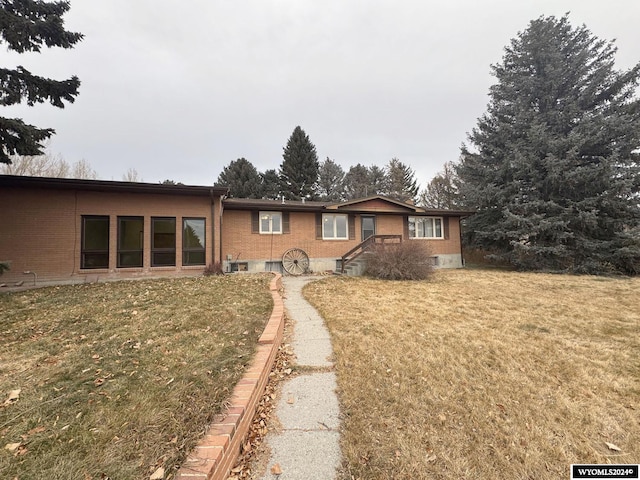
<point x="364" y="246"/>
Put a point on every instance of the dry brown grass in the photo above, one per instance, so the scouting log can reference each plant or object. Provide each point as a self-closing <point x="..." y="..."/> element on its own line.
<point x="484" y="374"/>
<point x="119" y="379"/>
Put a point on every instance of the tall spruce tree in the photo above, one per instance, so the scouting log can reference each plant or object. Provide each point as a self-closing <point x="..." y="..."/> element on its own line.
<point x="378" y="180"/>
<point x="330" y="181"/>
<point x="25" y="26"/>
<point x="357" y="183"/>
<point x="270" y="181"/>
<point x="401" y="181"/>
<point x="242" y="178"/>
<point x="554" y="170"/>
<point x="299" y="168"/>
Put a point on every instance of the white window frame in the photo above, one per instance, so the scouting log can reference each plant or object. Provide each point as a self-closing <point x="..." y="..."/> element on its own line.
<point x="270" y="216"/>
<point x="334" y="217"/>
<point x="413" y="232"/>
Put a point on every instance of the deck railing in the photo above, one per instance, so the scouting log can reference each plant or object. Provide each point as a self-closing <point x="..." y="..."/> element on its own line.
<point x="362" y="247"/>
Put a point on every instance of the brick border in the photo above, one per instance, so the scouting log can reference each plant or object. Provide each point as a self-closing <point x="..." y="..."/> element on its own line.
<point x="217" y="452"/>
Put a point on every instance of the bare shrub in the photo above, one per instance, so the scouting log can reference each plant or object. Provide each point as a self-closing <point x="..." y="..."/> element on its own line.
<point x="213" y="269"/>
<point x="410" y="260"/>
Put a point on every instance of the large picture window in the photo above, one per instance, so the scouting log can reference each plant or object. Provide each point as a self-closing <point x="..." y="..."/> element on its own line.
<point x="193" y="241"/>
<point x="270" y="222"/>
<point x="95" y="242"/>
<point x="130" y="241"/>
<point x="425" y="227"/>
<point x="163" y="241"/>
<point x="335" y="227"/>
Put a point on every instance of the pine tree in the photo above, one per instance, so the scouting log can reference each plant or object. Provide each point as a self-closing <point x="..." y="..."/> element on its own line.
<point x="357" y="182"/>
<point x="402" y="184"/>
<point x="299" y="168"/>
<point x="25" y="26"/>
<point x="270" y="183"/>
<point x="378" y="180"/>
<point x="242" y="178"/>
<point x="554" y="170"/>
<point x="330" y="181"/>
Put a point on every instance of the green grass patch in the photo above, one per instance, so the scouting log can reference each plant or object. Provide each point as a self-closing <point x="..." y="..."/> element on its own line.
<point x="118" y="379"/>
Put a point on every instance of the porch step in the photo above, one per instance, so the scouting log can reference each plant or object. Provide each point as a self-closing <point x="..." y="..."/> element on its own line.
<point x="356" y="267"/>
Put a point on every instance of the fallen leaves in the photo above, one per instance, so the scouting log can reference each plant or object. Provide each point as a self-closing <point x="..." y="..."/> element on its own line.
<point x="158" y="474"/>
<point x="613" y="447"/>
<point x="18" y="449"/>
<point x="14" y="396"/>
<point x="12" y="447"/>
<point x="276" y="469"/>
<point x="258" y="430"/>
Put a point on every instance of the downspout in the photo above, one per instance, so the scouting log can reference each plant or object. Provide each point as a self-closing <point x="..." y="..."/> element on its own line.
<point x="222" y="197"/>
<point x="213" y="226"/>
<point x="460" y="233"/>
<point x="213" y="219"/>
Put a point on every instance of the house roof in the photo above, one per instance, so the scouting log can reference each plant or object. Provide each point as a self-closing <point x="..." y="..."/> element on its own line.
<point x="374" y="204"/>
<point x="18" y="181"/>
<point x="281" y="205"/>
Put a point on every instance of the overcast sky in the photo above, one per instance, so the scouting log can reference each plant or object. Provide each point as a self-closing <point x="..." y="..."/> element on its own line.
<point x="177" y="89"/>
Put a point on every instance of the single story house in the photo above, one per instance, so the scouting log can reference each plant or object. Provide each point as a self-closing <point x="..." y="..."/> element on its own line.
<point x="68" y="230"/>
<point x="256" y="234"/>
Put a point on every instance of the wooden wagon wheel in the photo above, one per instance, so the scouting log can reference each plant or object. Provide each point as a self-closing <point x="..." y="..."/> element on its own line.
<point x="295" y="261"/>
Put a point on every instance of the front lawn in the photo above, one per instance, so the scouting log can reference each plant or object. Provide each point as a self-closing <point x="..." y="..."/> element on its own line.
<point x="116" y="380"/>
<point x="484" y="374"/>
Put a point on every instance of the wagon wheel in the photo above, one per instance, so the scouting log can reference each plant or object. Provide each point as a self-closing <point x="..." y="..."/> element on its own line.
<point x="295" y="261"/>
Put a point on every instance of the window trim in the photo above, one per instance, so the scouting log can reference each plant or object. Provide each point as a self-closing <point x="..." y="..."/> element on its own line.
<point x="163" y="250"/>
<point x="271" y="214"/>
<point x="433" y="222"/>
<point x="121" y="251"/>
<point x="187" y="250"/>
<point x="335" y="230"/>
<point x="84" y="251"/>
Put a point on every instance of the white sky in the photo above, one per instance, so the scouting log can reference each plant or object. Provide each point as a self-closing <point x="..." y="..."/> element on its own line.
<point x="179" y="88"/>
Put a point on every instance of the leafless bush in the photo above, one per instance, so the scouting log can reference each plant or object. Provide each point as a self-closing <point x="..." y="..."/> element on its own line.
<point x="409" y="260"/>
<point x="213" y="269"/>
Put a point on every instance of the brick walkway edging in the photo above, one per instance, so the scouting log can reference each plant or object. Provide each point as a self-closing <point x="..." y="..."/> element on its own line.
<point x="218" y="451"/>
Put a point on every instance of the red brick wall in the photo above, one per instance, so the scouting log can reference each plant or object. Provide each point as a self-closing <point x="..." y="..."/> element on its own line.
<point x="41" y="231"/>
<point x="240" y="243"/>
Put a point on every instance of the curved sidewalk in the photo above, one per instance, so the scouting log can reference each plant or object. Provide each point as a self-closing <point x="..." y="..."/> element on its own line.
<point x="306" y="447"/>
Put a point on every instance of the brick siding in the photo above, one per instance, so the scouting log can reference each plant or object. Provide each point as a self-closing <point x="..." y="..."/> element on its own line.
<point x="239" y="243"/>
<point x="42" y="231"/>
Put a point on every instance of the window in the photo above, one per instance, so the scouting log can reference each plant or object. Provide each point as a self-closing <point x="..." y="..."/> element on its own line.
<point x="425" y="227"/>
<point x="163" y="242"/>
<point x="130" y="241"/>
<point x="193" y="241"/>
<point x="334" y="227"/>
<point x="95" y="242"/>
<point x="270" y="222"/>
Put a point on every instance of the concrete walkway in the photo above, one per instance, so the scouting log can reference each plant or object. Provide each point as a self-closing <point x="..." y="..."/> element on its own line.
<point x="307" y="446"/>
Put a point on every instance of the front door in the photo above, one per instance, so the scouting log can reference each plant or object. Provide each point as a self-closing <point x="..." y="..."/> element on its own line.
<point x="368" y="226"/>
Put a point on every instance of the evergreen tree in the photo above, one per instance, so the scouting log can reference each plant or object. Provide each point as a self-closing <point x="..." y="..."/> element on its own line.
<point x="25" y="26"/>
<point x="442" y="190"/>
<point x="242" y="178"/>
<point x="357" y="182"/>
<point x="299" y="168"/>
<point x="377" y="180"/>
<point x="330" y="181"/>
<point x="555" y="172"/>
<point x="270" y="183"/>
<point x="402" y="184"/>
